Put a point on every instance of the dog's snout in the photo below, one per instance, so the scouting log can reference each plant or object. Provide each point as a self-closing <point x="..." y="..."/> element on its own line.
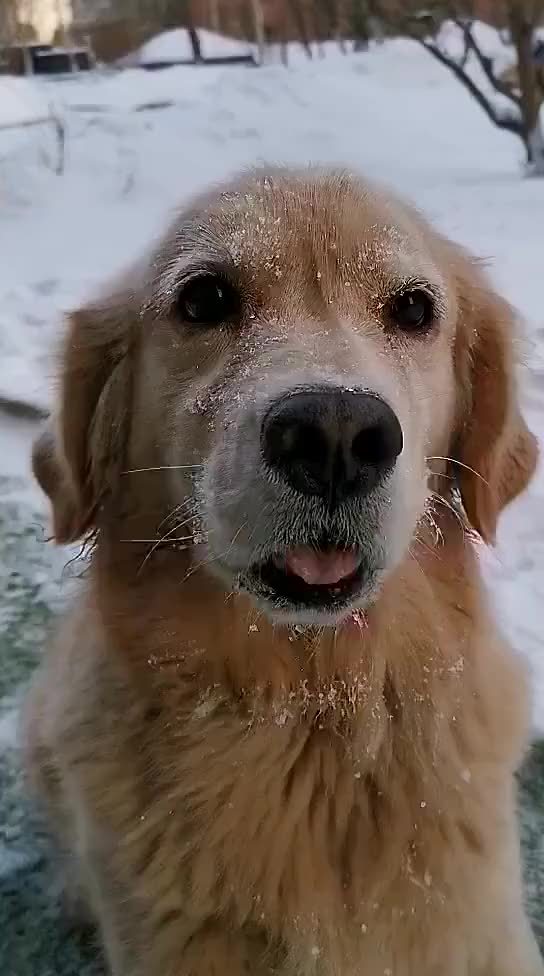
<point x="331" y="442"/>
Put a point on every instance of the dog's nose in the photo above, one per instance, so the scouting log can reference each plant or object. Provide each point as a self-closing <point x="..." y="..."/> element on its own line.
<point x="331" y="442"/>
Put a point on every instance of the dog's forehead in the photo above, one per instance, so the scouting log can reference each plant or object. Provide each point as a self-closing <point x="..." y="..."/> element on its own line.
<point x="275" y="222"/>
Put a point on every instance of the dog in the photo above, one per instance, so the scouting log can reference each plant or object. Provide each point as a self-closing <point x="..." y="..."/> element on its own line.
<point x="278" y="732"/>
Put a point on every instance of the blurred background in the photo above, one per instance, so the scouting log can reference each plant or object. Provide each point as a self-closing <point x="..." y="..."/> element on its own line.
<point x="112" y="113"/>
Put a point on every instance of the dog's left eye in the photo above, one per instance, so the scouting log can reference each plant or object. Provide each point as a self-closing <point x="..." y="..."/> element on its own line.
<point x="208" y="300"/>
<point x="412" y="311"/>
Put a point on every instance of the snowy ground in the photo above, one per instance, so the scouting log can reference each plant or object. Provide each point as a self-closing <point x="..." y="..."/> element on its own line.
<point x="137" y="144"/>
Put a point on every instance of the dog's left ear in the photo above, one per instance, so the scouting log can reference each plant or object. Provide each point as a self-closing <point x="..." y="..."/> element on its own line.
<point x="496" y="450"/>
<point x="78" y="458"/>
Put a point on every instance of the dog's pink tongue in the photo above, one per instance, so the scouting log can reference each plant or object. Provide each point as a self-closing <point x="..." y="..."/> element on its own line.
<point x="321" y="568"/>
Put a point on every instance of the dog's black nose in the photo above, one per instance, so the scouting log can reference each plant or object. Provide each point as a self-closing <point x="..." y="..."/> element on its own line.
<point x="331" y="442"/>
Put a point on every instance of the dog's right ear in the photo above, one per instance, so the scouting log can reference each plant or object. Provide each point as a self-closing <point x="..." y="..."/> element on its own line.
<point x="78" y="458"/>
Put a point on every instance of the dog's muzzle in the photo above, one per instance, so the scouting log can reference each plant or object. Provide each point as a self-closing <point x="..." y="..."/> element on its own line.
<point x="330" y="449"/>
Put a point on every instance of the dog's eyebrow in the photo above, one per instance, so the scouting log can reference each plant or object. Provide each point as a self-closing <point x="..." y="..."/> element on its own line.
<point x="424" y="280"/>
<point x="411" y="282"/>
<point x="188" y="260"/>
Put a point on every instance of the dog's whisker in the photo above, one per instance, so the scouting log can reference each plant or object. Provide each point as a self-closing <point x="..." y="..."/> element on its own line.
<point x="315" y="642"/>
<point x="460" y="464"/>
<point x="177" y="510"/>
<point x="163" y="467"/>
<point x="215" y="557"/>
<point x="191" y="514"/>
<point x="419" y="566"/>
<point x="182" y="538"/>
<point x="440" y="500"/>
<point x="193" y="517"/>
<point x="194" y="539"/>
<point x="424" y="545"/>
<point x="429" y="518"/>
<point x="257" y="523"/>
<point x="441" y="474"/>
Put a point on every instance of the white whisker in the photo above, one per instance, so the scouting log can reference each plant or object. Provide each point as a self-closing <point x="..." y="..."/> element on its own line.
<point x="166" y="538"/>
<point x="461" y="465"/>
<point x="439" y="500"/>
<point x="214" y="558"/>
<point x="163" y="467"/>
<point x="420" y="568"/>
<point x="177" y="511"/>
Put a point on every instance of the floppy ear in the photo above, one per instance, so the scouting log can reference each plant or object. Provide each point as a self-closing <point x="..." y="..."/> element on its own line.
<point x="496" y="451"/>
<point x="78" y="458"/>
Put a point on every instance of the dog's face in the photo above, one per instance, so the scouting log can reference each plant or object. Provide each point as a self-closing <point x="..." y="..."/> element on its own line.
<point x="307" y="365"/>
<point x="295" y="362"/>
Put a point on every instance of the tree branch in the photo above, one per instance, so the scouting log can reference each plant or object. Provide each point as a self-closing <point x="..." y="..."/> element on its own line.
<point x="510" y="124"/>
<point x="486" y="64"/>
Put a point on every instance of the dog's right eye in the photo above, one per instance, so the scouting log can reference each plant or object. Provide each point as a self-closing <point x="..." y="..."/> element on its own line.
<point x="207" y="300"/>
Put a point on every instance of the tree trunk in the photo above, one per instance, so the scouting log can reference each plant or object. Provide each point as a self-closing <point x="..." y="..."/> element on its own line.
<point x="297" y="13"/>
<point x="61" y="27"/>
<point x="258" y="21"/>
<point x="360" y="28"/>
<point x="522" y="32"/>
<point x="535" y="150"/>
<point x="327" y="21"/>
<point x="215" y="21"/>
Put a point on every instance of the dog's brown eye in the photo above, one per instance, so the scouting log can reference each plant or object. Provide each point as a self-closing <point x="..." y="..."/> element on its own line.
<point x="412" y="311"/>
<point x="208" y="300"/>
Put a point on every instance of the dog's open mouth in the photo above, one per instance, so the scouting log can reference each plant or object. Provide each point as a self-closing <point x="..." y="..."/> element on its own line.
<point x="321" y="578"/>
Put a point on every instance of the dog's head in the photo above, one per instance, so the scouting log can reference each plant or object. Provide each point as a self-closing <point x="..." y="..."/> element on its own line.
<point x="288" y="367"/>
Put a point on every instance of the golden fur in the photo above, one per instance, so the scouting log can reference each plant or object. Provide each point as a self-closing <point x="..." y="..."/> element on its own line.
<point x="236" y="796"/>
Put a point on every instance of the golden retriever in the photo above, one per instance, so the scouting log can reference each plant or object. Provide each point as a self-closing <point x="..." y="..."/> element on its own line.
<point x="279" y="731"/>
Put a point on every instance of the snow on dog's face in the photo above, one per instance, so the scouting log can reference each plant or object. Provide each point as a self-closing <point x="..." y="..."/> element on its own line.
<point x="296" y="358"/>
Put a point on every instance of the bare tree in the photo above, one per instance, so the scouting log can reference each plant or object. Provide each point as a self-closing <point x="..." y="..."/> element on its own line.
<point x="522" y="95"/>
<point x="214" y="15"/>
<point x="327" y="13"/>
<point x="258" y="22"/>
<point x="359" y="21"/>
<point x="8" y="21"/>
<point x="523" y="18"/>
<point x="296" y="8"/>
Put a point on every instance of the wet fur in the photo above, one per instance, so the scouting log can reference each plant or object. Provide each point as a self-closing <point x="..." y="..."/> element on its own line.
<point x="242" y="796"/>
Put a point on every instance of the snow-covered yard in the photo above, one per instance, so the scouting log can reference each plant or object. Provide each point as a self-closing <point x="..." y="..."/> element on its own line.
<point x="138" y="143"/>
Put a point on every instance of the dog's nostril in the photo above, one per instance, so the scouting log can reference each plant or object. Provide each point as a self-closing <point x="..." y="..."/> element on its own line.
<point x="290" y="442"/>
<point x="379" y="444"/>
<point x="331" y="442"/>
<point x="304" y="441"/>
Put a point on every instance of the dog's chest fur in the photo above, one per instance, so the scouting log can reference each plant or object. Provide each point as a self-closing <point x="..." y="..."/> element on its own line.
<point x="318" y="823"/>
<point x="339" y="817"/>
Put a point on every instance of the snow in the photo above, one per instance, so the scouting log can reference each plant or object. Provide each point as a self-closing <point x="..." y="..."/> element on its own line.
<point x="450" y="39"/>
<point x="28" y="140"/>
<point x="488" y="39"/>
<point x="21" y="101"/>
<point x="175" y="45"/>
<point x="216" y="46"/>
<point x="393" y="113"/>
<point x="170" y="46"/>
